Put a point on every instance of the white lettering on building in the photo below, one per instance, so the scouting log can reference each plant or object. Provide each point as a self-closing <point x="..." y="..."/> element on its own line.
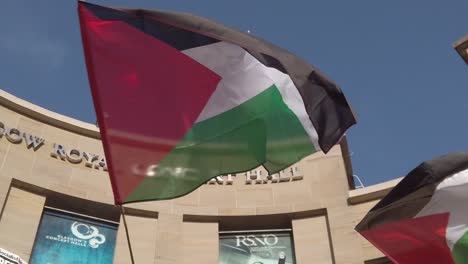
<point x="33" y="141"/>
<point x="59" y="151"/>
<point x="257" y="240"/>
<point x="258" y="176"/>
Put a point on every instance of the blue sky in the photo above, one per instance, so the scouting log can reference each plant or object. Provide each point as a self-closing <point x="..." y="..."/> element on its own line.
<point x="393" y="59"/>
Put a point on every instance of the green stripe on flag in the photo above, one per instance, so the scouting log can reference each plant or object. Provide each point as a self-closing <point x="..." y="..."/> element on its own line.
<point x="460" y="250"/>
<point x="263" y="130"/>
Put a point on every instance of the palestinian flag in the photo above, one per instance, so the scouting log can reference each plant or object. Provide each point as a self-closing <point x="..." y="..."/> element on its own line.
<point x="181" y="99"/>
<point x="424" y="219"/>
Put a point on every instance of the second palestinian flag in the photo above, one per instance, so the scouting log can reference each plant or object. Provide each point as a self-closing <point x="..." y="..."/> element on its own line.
<point x="424" y="219"/>
<point x="181" y="99"/>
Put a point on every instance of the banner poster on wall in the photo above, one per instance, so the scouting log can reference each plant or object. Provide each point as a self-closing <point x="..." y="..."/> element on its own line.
<point x="7" y="257"/>
<point x="69" y="239"/>
<point x="256" y="248"/>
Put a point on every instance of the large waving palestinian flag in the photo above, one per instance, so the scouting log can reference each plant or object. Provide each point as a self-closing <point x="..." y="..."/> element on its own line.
<point x="424" y="219"/>
<point x="181" y="99"/>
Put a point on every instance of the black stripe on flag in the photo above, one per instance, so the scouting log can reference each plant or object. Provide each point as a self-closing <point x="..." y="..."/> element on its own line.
<point x="176" y="37"/>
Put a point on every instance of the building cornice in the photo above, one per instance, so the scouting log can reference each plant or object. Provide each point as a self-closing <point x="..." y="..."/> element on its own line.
<point x="373" y="192"/>
<point x="46" y="116"/>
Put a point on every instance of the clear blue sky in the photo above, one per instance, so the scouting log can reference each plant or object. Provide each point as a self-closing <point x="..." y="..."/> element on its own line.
<point x="393" y="59"/>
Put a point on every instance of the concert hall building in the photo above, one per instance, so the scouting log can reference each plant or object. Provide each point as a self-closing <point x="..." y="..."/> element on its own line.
<point x="57" y="206"/>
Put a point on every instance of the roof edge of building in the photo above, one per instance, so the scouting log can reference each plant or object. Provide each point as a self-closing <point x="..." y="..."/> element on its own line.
<point x="49" y="117"/>
<point x="372" y="192"/>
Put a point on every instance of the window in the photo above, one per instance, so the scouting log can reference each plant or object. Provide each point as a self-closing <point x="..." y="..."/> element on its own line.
<point x="64" y="237"/>
<point x="259" y="247"/>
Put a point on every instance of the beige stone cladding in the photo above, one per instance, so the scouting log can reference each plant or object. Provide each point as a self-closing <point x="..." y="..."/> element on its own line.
<point x="20" y="220"/>
<point x="312" y="240"/>
<point x="312" y="198"/>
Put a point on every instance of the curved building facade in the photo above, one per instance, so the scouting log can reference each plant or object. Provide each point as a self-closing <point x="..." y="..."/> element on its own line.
<point x="57" y="205"/>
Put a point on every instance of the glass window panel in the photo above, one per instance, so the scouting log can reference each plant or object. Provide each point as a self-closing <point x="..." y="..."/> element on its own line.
<point x="256" y="248"/>
<point x="69" y="239"/>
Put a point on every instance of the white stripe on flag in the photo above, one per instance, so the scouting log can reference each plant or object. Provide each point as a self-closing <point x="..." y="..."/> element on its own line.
<point x="451" y="195"/>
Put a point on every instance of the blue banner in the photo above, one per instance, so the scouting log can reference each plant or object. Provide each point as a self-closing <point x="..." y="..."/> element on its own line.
<point x="64" y="238"/>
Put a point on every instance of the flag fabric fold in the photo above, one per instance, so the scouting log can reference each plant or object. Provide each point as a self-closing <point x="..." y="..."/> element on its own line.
<point x="424" y="218"/>
<point x="181" y="99"/>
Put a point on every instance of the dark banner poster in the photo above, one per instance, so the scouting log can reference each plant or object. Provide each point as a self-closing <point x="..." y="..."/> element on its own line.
<point x="7" y="257"/>
<point x="67" y="239"/>
<point x="256" y="248"/>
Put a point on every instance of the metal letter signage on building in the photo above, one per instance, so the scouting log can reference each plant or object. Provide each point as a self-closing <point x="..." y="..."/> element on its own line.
<point x="72" y="155"/>
<point x="76" y="156"/>
<point x="63" y="238"/>
<point x="98" y="162"/>
<point x="258" y="176"/>
<point x="7" y="257"/>
<point x="256" y="248"/>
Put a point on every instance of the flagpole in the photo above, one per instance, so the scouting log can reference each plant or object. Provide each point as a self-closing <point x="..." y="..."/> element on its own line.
<point x="122" y="211"/>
